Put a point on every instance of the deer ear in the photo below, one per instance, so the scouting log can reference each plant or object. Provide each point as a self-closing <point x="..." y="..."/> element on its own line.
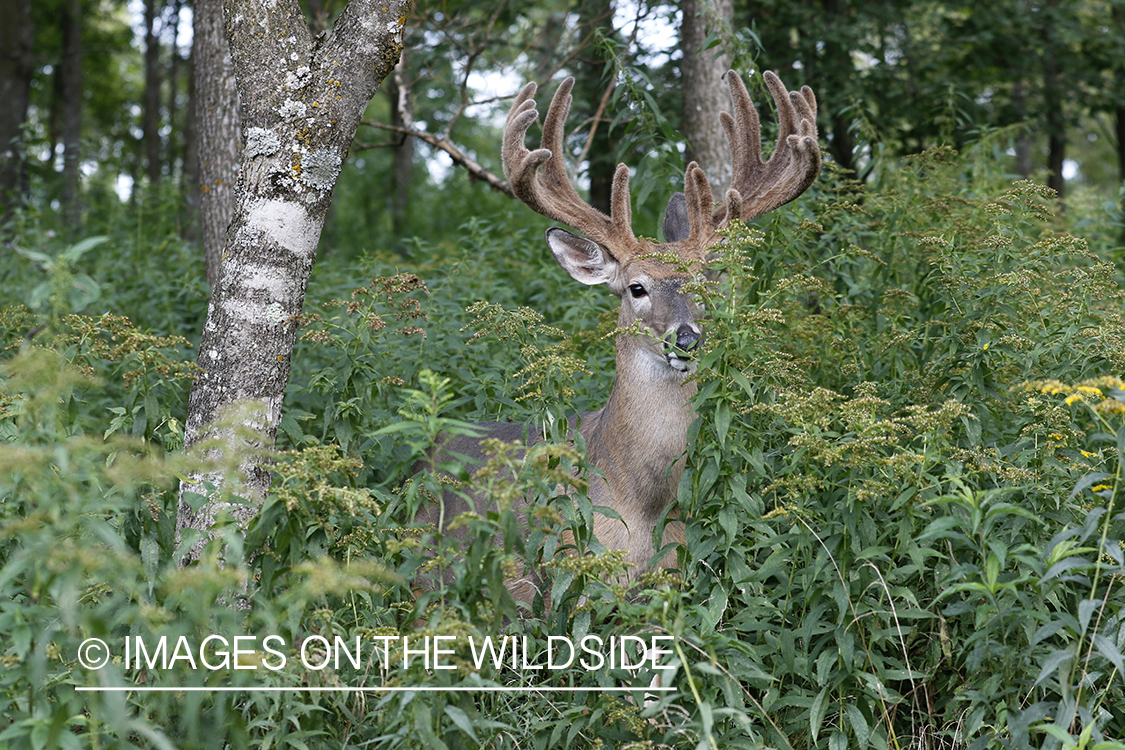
<point x="676" y="226"/>
<point x="583" y="259"/>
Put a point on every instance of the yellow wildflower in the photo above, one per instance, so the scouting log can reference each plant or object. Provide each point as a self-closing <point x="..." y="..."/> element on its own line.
<point x="1110" y="406"/>
<point x="1053" y="387"/>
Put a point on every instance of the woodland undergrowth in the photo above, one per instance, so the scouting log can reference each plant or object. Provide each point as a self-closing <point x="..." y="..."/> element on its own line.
<point x="903" y="496"/>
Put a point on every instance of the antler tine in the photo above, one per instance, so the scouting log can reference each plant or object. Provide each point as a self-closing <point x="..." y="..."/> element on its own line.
<point x="699" y="201"/>
<point x="760" y="186"/>
<point x="539" y="177"/>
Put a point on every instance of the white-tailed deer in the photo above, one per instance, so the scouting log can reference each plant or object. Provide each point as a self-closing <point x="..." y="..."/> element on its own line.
<point x="637" y="440"/>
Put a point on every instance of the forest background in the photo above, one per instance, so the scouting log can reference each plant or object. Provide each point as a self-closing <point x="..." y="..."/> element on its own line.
<point x="902" y="491"/>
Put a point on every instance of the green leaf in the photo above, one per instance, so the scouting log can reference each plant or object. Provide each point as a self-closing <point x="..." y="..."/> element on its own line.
<point x="722" y="421"/>
<point x="1109" y="650"/>
<point x="1051" y="664"/>
<point x="817" y="711"/>
<point x="77" y="250"/>
<point x="1087" y="481"/>
<point x="859" y="724"/>
<point x="461" y="719"/>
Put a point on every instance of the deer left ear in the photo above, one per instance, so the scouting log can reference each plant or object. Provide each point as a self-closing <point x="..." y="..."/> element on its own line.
<point x="586" y="261"/>
<point x="676" y="226"/>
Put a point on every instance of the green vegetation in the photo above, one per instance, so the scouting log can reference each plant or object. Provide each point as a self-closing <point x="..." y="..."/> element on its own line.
<point x="904" y="493"/>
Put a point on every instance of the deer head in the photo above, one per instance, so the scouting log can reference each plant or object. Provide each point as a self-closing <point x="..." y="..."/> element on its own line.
<point x="611" y="254"/>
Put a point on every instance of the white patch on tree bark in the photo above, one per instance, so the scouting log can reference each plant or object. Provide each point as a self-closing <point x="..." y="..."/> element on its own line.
<point x="287" y="224"/>
<point x="254" y="311"/>
<point x="298" y="80"/>
<point x="320" y="169"/>
<point x="261" y="142"/>
<point x="292" y="109"/>
<point x="267" y="279"/>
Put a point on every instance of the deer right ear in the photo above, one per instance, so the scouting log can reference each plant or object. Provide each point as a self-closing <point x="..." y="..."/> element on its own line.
<point x="586" y="261"/>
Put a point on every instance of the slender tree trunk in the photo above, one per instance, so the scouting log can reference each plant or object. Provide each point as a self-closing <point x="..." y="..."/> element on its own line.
<point x="16" y="67"/>
<point x="302" y="99"/>
<point x="151" y="135"/>
<point x="217" y="132"/>
<point x="189" y="177"/>
<point x="837" y="61"/>
<point x="1053" y="102"/>
<point x="1056" y="146"/>
<point x="1023" y="140"/>
<point x="70" y="110"/>
<point x="175" y="63"/>
<point x="402" y="115"/>
<point x="1120" y="113"/>
<point x="704" y="93"/>
<point x="590" y="85"/>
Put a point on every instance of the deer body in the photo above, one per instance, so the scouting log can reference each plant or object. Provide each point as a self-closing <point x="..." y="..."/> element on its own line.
<point x="637" y="440"/>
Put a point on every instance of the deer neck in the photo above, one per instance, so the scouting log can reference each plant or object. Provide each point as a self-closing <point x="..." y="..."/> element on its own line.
<point x="639" y="436"/>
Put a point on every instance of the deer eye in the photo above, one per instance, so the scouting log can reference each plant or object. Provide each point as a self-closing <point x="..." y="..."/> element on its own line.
<point x="637" y="291"/>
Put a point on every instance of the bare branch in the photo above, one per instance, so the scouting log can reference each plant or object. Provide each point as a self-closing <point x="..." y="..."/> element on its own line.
<point x="460" y="158"/>
<point x="597" y="119"/>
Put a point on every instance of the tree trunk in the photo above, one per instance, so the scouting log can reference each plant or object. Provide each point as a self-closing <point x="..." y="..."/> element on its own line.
<point x="172" y="152"/>
<point x="1053" y="103"/>
<point x="402" y="115"/>
<point x="704" y="93"/>
<point x="216" y="130"/>
<point x="1120" y="112"/>
<point x="151" y="136"/>
<point x="70" y="110"/>
<point x="1023" y="140"/>
<point x="837" y="63"/>
<point x="189" y="177"/>
<point x="16" y="67"/>
<point x="1056" y="146"/>
<point x="589" y="89"/>
<point x="302" y="100"/>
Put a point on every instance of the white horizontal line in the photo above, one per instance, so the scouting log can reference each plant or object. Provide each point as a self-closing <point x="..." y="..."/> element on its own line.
<point x="458" y="689"/>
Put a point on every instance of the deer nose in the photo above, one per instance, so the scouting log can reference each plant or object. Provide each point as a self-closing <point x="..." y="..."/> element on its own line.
<point x="687" y="338"/>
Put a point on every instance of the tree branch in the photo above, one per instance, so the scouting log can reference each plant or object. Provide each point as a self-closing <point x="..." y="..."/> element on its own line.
<point x="460" y="158"/>
<point x="364" y="48"/>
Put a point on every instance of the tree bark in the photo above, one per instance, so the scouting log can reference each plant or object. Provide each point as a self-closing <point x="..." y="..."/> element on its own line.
<point x="402" y="116"/>
<point x="302" y="99"/>
<point x="216" y="130"/>
<point x="189" y="177"/>
<point x="175" y="63"/>
<point x="70" y="110"/>
<point x="1053" y="102"/>
<point x="1023" y="140"/>
<point x="704" y="94"/>
<point x="835" y="69"/>
<point x="151" y="134"/>
<point x="1120" y="113"/>
<point x="1056" y="147"/>
<point x="589" y="89"/>
<point x="16" y="67"/>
